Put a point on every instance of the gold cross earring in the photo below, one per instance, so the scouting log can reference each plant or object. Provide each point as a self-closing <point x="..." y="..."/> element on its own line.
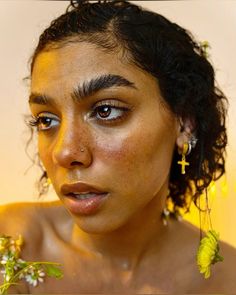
<point x="183" y="162"/>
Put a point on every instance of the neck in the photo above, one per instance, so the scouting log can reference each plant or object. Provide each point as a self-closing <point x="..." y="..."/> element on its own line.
<point x="127" y="245"/>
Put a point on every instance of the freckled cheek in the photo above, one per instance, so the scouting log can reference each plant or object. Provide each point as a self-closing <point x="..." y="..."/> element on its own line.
<point x="129" y="163"/>
<point x="110" y="150"/>
<point x="145" y="155"/>
<point x="119" y="152"/>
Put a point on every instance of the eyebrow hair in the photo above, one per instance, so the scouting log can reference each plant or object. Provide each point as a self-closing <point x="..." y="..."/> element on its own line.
<point x="36" y="98"/>
<point x="100" y="83"/>
<point x="86" y="89"/>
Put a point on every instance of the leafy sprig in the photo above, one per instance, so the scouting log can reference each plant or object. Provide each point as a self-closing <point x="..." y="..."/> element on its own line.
<point x="15" y="269"/>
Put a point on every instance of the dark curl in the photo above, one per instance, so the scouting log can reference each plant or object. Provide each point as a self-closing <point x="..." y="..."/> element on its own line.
<point x="168" y="52"/>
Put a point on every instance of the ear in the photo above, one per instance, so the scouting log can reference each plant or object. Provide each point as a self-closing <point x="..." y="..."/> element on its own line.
<point x="186" y="131"/>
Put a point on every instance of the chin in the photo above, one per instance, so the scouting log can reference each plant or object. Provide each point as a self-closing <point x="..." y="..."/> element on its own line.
<point x="97" y="225"/>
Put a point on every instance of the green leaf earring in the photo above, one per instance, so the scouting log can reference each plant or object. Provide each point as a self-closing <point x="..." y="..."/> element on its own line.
<point x="208" y="250"/>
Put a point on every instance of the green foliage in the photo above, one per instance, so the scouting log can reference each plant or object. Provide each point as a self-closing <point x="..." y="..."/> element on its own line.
<point x="53" y="271"/>
<point x="15" y="269"/>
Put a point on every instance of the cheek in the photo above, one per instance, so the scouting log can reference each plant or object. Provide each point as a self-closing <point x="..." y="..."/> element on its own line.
<point x="115" y="151"/>
<point x="140" y="154"/>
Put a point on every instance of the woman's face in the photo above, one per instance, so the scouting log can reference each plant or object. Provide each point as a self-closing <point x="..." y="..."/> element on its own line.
<point x="104" y="135"/>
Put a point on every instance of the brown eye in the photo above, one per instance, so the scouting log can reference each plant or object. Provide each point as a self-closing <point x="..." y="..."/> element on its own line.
<point x="109" y="112"/>
<point x="44" y="122"/>
<point x="104" y="111"/>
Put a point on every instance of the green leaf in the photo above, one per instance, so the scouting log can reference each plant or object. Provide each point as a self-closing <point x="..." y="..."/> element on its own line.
<point x="5" y="287"/>
<point x="53" y="271"/>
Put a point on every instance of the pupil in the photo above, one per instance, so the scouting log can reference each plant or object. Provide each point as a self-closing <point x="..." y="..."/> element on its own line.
<point x="104" y="111"/>
<point x="45" y="121"/>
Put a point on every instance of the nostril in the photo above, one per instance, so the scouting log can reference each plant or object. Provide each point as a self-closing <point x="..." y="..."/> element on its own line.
<point x="75" y="163"/>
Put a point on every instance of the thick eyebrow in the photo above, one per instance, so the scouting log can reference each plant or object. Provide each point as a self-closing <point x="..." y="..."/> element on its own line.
<point x="36" y="98"/>
<point x="86" y="89"/>
<point x="99" y="83"/>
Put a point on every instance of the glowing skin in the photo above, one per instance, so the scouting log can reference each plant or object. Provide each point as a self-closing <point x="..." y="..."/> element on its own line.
<point x="129" y="157"/>
<point x="122" y="246"/>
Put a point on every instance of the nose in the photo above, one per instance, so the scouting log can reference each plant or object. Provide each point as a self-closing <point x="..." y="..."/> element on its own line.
<point x="71" y="147"/>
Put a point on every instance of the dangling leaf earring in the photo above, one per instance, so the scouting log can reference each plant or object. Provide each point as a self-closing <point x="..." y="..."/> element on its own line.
<point x="208" y="250"/>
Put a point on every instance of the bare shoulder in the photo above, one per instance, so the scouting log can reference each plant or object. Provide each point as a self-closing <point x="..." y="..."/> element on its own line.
<point x="223" y="274"/>
<point x="27" y="219"/>
<point x="229" y="254"/>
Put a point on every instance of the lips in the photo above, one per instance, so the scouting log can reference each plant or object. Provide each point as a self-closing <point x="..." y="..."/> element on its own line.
<point x="81" y="188"/>
<point x="81" y="198"/>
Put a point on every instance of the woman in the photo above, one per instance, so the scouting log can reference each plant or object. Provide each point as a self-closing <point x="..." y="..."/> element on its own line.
<point x="128" y="120"/>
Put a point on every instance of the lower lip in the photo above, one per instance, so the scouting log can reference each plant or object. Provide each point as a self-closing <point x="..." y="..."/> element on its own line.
<point x="86" y="206"/>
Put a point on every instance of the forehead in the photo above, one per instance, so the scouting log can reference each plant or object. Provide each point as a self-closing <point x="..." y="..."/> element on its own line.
<point x="80" y="59"/>
<point x="78" y="62"/>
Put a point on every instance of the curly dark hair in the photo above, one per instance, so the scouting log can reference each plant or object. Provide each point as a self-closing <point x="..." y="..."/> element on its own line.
<point x="179" y="63"/>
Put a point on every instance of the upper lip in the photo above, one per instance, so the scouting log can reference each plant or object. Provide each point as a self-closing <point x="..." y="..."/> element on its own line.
<point x="79" y="187"/>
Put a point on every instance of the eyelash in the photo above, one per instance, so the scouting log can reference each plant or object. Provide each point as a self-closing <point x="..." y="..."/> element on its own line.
<point x="36" y="121"/>
<point x="111" y="107"/>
